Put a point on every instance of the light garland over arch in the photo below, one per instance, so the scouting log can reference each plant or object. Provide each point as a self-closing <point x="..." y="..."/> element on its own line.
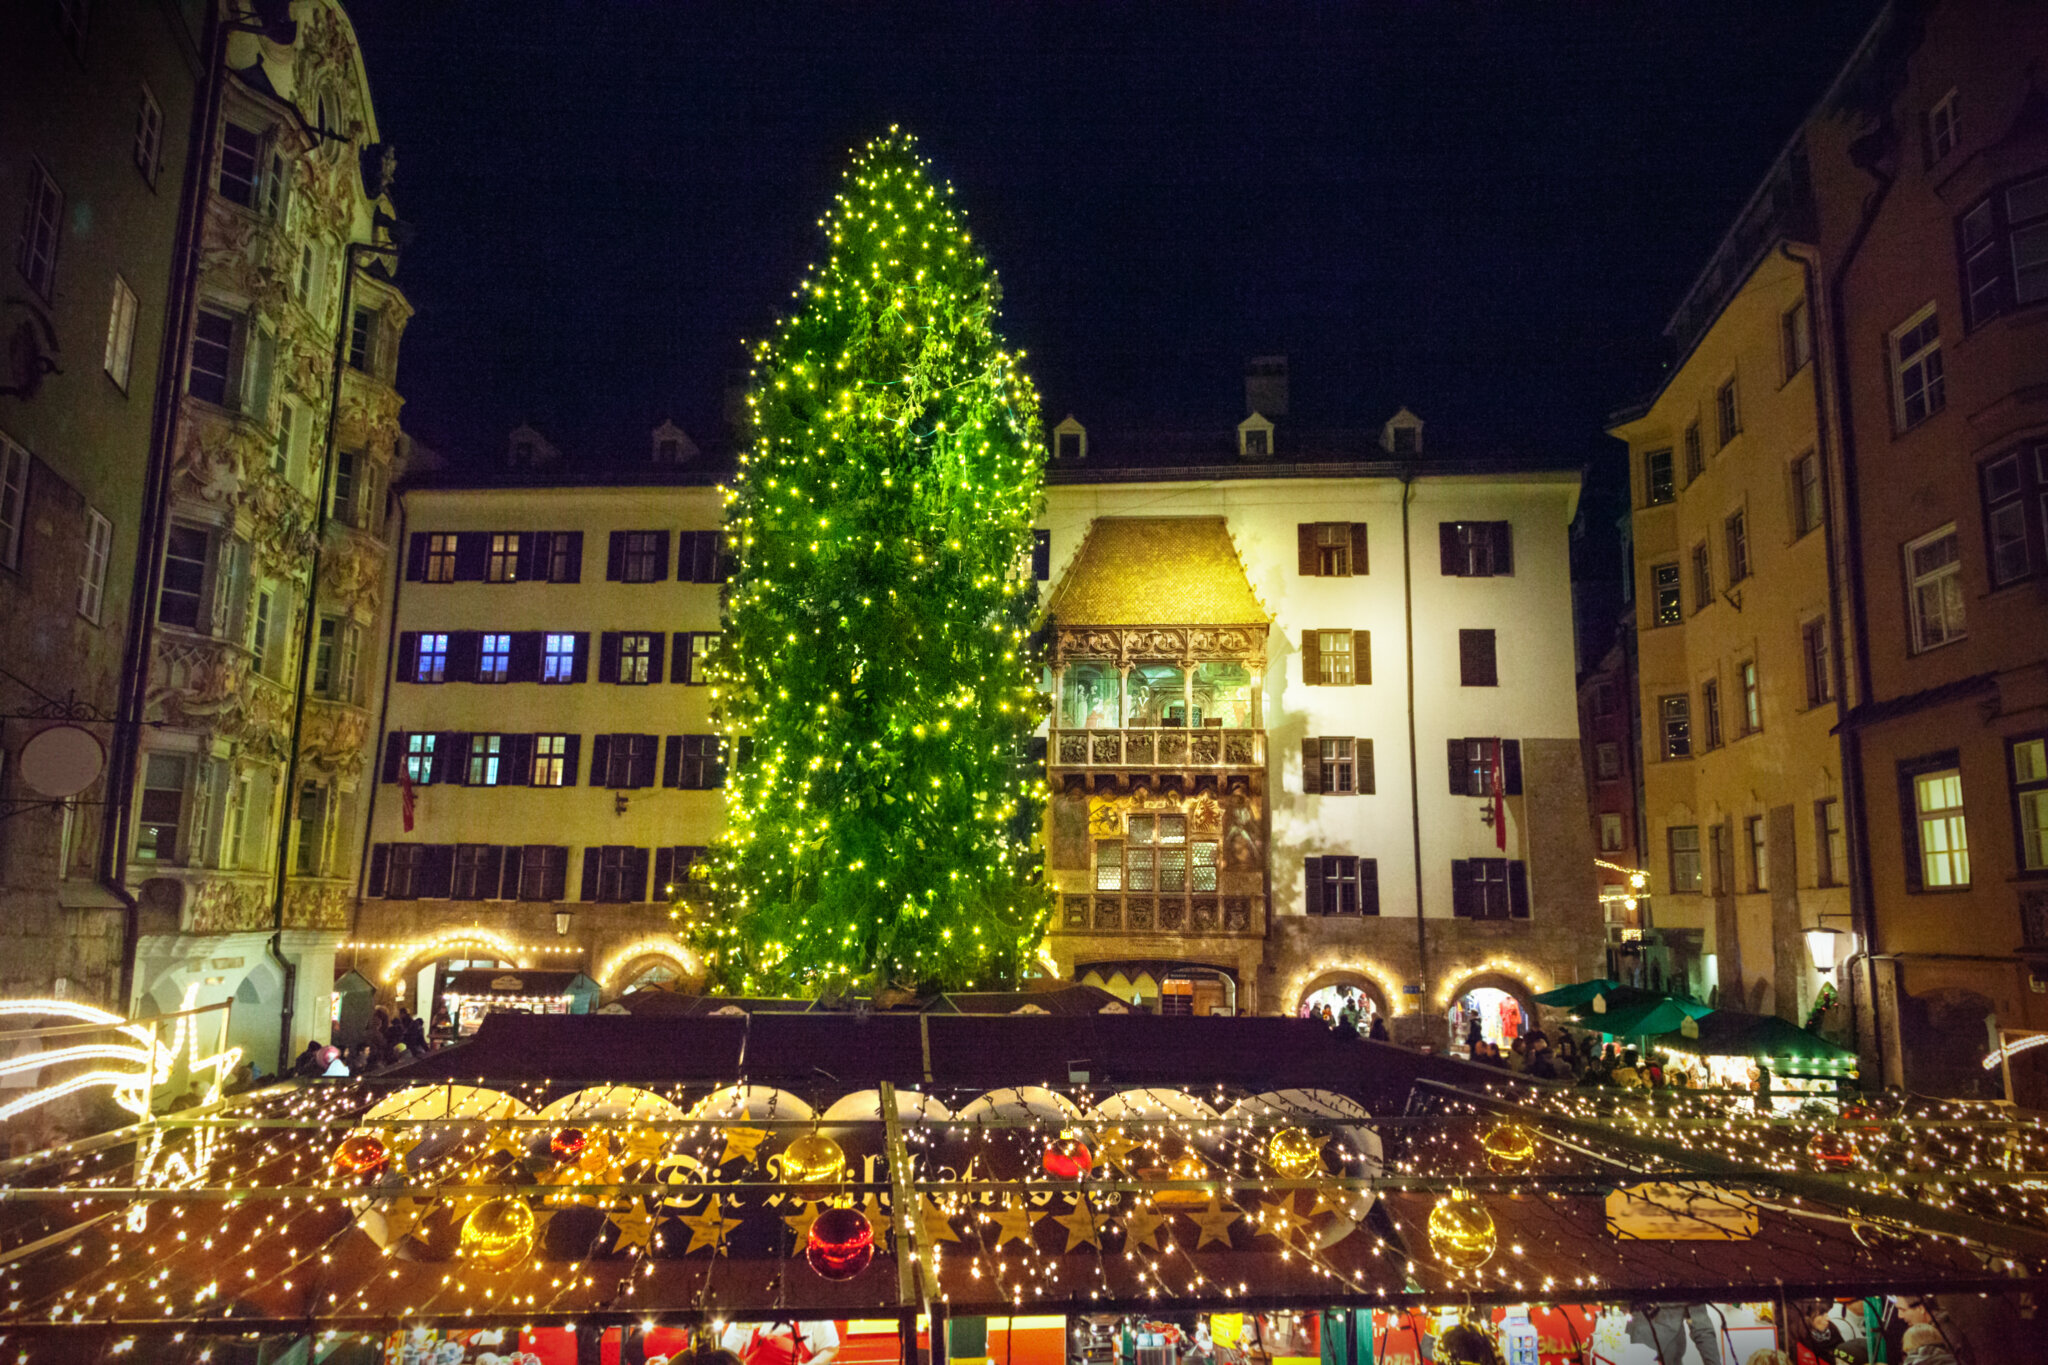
<point x="498" y="944"/>
<point x="658" y="945"/>
<point x="1375" y="972"/>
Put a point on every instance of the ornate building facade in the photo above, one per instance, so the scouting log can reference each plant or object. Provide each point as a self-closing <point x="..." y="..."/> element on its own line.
<point x="265" y="643"/>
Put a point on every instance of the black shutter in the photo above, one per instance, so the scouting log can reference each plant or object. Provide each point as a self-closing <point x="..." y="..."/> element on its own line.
<point x="655" y="654"/>
<point x="636" y="875"/>
<point x="1311" y="658"/>
<point x="660" y="556"/>
<point x="615" y="563"/>
<point x="515" y="866"/>
<point x="491" y="872"/>
<point x="1309" y="562"/>
<point x="1504" y="548"/>
<point x="1518" y="889"/>
<point x="1368" y="886"/>
<point x="451" y="756"/>
<point x="380" y="868"/>
<point x="515" y="763"/>
<point x="437" y="872"/>
<point x="672" y="763"/>
<point x="572" y="751"/>
<point x="524" y="664"/>
<point x="686" y="557"/>
<point x="600" y="760"/>
<point x="1312" y="870"/>
<point x="1909" y="832"/>
<point x="533" y="556"/>
<point x="1358" y="559"/>
<point x="664" y="870"/>
<point x="1361" y="657"/>
<point x="472" y="554"/>
<point x="1461" y="888"/>
<point x="1461" y="780"/>
<point x="403" y="664"/>
<point x="1311" y="767"/>
<point x="679" y="663"/>
<point x="394" y="755"/>
<point x="722" y="563"/>
<point x="465" y="649"/>
<point x="643" y="761"/>
<point x="1448" y="550"/>
<point x="593" y="858"/>
<point x="1511" y="766"/>
<point x="555" y="885"/>
<point x="575" y="565"/>
<point x="1368" y="784"/>
<point x="579" y="667"/>
<point x="1477" y="666"/>
<point x="416" y="558"/>
<point x="1041" y="556"/>
<point x="608" y="657"/>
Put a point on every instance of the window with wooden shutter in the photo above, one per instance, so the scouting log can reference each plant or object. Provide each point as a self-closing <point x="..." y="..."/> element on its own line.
<point x="645" y="749"/>
<point x="380" y="867"/>
<point x="593" y="863"/>
<point x="1308" y="558"/>
<point x="1477" y="664"/>
<point x="437" y="872"/>
<point x="523" y="665"/>
<point x="465" y="650"/>
<point x="1461" y="888"/>
<point x="579" y="669"/>
<point x="600" y="760"/>
<point x="405" y="659"/>
<point x="472" y="556"/>
<point x="608" y="656"/>
<point x="1368" y="886"/>
<point x="416" y="558"/>
<point x="1312" y="875"/>
<point x="1312" y="767"/>
<point x="1311" y="659"/>
<point x="1518" y="889"/>
<point x="394" y="756"/>
<point x="615" y="557"/>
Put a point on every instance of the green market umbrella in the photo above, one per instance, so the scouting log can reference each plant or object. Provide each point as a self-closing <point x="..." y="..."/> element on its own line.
<point x="1733" y="1033"/>
<point x="1641" y="1018"/>
<point x="1578" y="993"/>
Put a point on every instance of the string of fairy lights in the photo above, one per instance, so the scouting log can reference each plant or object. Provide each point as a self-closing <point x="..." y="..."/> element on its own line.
<point x="358" y="1204"/>
<point x="876" y="675"/>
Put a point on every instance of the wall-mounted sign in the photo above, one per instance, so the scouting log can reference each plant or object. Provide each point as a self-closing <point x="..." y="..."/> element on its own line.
<point x="62" y="761"/>
<point x="1663" y="1211"/>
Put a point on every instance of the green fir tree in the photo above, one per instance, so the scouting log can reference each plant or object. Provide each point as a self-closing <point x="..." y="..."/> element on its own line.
<point x="876" y="681"/>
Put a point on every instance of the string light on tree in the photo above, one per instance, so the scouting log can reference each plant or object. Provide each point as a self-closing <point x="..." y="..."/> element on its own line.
<point x="876" y="680"/>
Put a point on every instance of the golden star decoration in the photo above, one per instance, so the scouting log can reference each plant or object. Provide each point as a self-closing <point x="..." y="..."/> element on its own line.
<point x="1112" y="1145"/>
<point x="709" y="1228"/>
<point x="800" y="1224"/>
<point x="742" y="1143"/>
<point x="1083" y="1225"/>
<point x="403" y="1216"/>
<point x="1214" y="1222"/>
<point x="1277" y="1217"/>
<point x="1013" y="1221"/>
<point x="877" y="1220"/>
<point x="1143" y="1227"/>
<point x="634" y="1223"/>
<point x="511" y="1141"/>
<point x="933" y="1223"/>
<point x="1325" y="1204"/>
<point x="400" y="1141"/>
<point x="643" y="1144"/>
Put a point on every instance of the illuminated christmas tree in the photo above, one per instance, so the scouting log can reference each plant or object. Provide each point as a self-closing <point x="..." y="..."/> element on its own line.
<point x="876" y="680"/>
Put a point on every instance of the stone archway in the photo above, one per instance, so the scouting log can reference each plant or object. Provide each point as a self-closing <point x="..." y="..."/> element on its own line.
<point x="644" y="962"/>
<point x="1485" y="996"/>
<point x="1324" y="987"/>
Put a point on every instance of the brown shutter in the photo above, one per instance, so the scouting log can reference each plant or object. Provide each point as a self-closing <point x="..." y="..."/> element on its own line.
<point x="672" y="763"/>
<point x="1518" y="889"/>
<point x="575" y="564"/>
<point x="643" y="760"/>
<point x="636" y="875"/>
<point x="608" y="657"/>
<point x="472" y="556"/>
<point x="524" y="664"/>
<point x="1361" y="657"/>
<point x="1447" y="549"/>
<point x="572" y="752"/>
<point x="1504" y="548"/>
<point x="1461" y="778"/>
<point x="555" y="881"/>
<point x="1368" y="886"/>
<point x="1305" y="549"/>
<point x="600" y="759"/>
<point x="579" y="667"/>
<point x="1366" y="782"/>
<point x="380" y="868"/>
<point x="1311" y="767"/>
<point x="655" y="655"/>
<point x="679" y="665"/>
<point x="416" y="558"/>
<point x="1312" y="869"/>
<point x="437" y="872"/>
<point x="1511" y="766"/>
<point x="532" y="561"/>
<point x="515" y="764"/>
<point x="593" y="858"/>
<point x="451" y="757"/>
<point x="1909" y="831"/>
<point x="515" y="864"/>
<point x="615" y="563"/>
<point x="394" y="755"/>
<point x="465" y="651"/>
<point x="1311" y="658"/>
<point x="1358" y="557"/>
<point x="1461" y="888"/>
<point x="407" y="656"/>
<point x="664" y="869"/>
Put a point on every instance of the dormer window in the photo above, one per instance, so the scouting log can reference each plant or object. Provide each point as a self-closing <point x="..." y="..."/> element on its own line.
<point x="672" y="445"/>
<point x="668" y="451"/>
<point x="1402" y="435"/>
<point x="1255" y="437"/>
<point x="1070" y="440"/>
<point x="1255" y="442"/>
<point x="522" y="452"/>
<point x="1406" y="440"/>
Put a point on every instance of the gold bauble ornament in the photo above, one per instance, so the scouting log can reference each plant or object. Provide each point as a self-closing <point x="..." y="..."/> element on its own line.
<point x="1189" y="1167"/>
<point x="498" y="1233"/>
<point x="1508" y="1147"/>
<point x="814" y="1164"/>
<point x="1295" y="1153"/>
<point x="1461" y="1231"/>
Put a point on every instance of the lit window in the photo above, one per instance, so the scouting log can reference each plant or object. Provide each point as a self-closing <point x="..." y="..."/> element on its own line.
<point x="1337" y="771"/>
<point x="1759" y="854"/>
<point x="504" y="562"/>
<point x="1657" y="478"/>
<point x="92" y="577"/>
<point x="441" y="557"/>
<point x="1109" y="865"/>
<point x="636" y="653"/>
<point x="1752" y="700"/>
<point x="1944" y="841"/>
<point x="419" y="758"/>
<point x="558" y="661"/>
<point x="1934" y="576"/>
<point x="1917" y="388"/>
<point x="484" y="751"/>
<point x="2030" y="796"/>
<point x="431" y="663"/>
<point x="1334" y="650"/>
<point x="120" y="351"/>
<point x="1664" y="594"/>
<point x="494" y="658"/>
<point x="1675" y="714"/>
<point x="550" y="754"/>
<point x="1684" y="841"/>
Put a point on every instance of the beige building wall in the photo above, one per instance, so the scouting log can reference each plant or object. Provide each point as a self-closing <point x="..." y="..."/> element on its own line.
<point x="1754" y="801"/>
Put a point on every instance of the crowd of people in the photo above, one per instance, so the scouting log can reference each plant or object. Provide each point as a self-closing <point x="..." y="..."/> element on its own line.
<point x="386" y="1039"/>
<point x="1580" y="1061"/>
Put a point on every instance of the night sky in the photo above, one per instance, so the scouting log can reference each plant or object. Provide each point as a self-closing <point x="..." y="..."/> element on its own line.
<point x="1486" y="212"/>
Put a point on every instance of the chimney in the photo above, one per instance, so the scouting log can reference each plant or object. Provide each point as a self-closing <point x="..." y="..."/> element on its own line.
<point x="1265" y="385"/>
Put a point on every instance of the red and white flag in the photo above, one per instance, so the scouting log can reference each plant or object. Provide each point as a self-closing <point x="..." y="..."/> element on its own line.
<point x="405" y="795"/>
<point x="1500" y="798"/>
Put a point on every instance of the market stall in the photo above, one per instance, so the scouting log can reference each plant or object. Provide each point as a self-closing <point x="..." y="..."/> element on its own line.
<point x="1173" y="1192"/>
<point x="462" y="998"/>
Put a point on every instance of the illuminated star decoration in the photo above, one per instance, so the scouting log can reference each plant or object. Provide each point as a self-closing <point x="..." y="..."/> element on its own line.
<point x="741" y="1143"/>
<point x="643" y="1144"/>
<point x="400" y="1141"/>
<point x="1143" y="1226"/>
<point x="1112" y="1146"/>
<point x="635" y="1225"/>
<point x="934" y="1224"/>
<point x="879" y="1221"/>
<point x="1013" y="1221"/>
<point x="402" y="1217"/>
<point x="1215" y="1222"/>
<point x="800" y="1225"/>
<point x="1082" y="1225"/>
<point x="709" y="1228"/>
<point x="1277" y="1217"/>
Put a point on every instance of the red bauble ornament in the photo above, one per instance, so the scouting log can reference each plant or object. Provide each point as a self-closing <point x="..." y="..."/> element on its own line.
<point x="361" y="1154"/>
<point x="841" y="1243"/>
<point x="1832" y="1150"/>
<point x="1067" y="1157"/>
<point x="568" y="1143"/>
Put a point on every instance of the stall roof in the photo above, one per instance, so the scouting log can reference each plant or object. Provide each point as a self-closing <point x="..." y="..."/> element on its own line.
<point x="514" y="981"/>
